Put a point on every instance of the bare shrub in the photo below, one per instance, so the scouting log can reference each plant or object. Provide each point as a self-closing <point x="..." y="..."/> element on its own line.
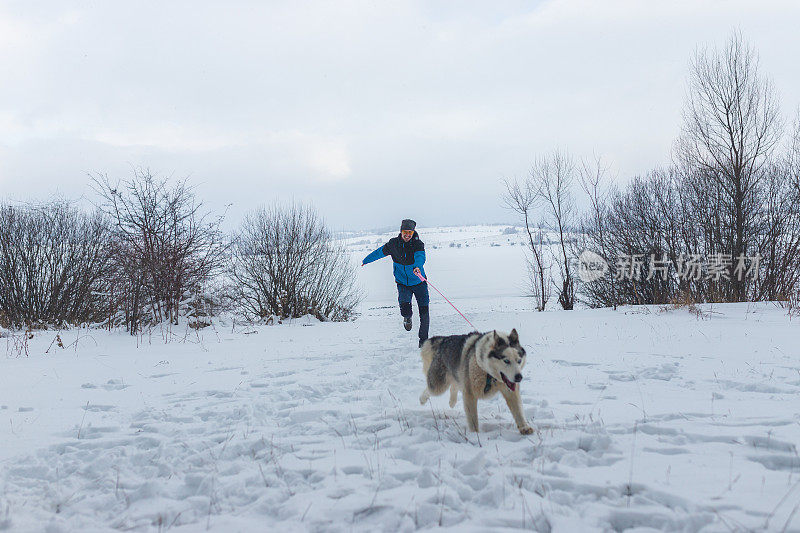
<point x="668" y="219"/>
<point x="166" y="247"/>
<point x="17" y="343"/>
<point x="778" y="238"/>
<point x="286" y="263"/>
<point x="646" y="224"/>
<point x="793" y="304"/>
<point x="53" y="260"/>
<point x="778" y="241"/>
<point x="645" y="235"/>
<point x="685" y="300"/>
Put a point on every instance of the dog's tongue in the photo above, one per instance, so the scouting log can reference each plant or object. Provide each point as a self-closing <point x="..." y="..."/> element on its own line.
<point x="511" y="385"/>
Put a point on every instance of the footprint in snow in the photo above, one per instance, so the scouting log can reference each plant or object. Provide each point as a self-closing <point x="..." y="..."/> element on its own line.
<point x="115" y="384"/>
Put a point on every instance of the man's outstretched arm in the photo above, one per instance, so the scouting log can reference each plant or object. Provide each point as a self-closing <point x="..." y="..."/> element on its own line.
<point x="380" y="253"/>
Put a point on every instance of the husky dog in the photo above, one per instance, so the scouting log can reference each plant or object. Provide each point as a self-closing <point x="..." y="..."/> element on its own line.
<point x="479" y="365"/>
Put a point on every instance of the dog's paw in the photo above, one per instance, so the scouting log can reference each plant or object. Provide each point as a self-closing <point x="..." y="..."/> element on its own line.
<point x="526" y="430"/>
<point x="453" y="397"/>
<point x="423" y="398"/>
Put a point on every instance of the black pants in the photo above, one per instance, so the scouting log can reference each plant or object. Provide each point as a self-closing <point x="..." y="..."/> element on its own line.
<point x="420" y="292"/>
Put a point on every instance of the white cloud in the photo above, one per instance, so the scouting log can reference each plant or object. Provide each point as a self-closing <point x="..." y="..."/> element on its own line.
<point x="330" y="159"/>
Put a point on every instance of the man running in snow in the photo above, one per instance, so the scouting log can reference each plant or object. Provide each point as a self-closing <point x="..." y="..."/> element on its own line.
<point x="408" y="254"/>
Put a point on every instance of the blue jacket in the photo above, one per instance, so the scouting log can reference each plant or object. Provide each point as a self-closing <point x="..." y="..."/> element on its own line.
<point x="406" y="256"/>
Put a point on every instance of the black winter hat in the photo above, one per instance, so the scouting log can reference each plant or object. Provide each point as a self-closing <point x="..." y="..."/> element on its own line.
<point x="408" y="224"/>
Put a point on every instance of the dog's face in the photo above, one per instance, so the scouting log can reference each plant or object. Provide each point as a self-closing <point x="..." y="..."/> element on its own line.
<point x="503" y="358"/>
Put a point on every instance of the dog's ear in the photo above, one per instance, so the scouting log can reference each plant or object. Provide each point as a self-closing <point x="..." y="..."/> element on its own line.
<point x="495" y="336"/>
<point x="513" y="337"/>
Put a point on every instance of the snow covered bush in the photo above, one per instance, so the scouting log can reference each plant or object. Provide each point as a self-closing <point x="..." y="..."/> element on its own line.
<point x="286" y="263"/>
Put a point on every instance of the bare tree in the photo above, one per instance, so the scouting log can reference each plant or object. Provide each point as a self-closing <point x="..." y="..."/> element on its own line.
<point x="552" y="178"/>
<point x="165" y="246"/>
<point x="522" y="199"/>
<point x="593" y="235"/>
<point x="793" y="158"/>
<point x="53" y="262"/>
<point x="286" y="263"/>
<point x="731" y="125"/>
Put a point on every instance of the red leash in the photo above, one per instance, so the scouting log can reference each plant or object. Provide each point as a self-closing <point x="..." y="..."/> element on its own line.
<point x="448" y="301"/>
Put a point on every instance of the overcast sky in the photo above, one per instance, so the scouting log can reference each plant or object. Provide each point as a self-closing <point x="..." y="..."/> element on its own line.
<point x="372" y="111"/>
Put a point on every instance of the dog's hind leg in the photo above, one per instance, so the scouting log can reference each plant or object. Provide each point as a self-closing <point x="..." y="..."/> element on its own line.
<point x="453" y="394"/>
<point x="435" y="372"/>
<point x="427" y="357"/>
<point x="424" y="396"/>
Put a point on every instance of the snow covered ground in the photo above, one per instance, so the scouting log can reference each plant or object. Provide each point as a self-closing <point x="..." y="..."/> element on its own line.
<point x="646" y="419"/>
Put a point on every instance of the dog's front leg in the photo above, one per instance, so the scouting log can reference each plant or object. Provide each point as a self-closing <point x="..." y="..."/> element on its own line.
<point x="514" y="402"/>
<point x="471" y="409"/>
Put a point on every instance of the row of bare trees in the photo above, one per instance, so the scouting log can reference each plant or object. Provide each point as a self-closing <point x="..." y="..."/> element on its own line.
<point x="150" y="253"/>
<point x="732" y="193"/>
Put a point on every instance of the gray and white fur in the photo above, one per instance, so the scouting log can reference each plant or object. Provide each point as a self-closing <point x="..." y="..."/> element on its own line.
<point x="479" y="365"/>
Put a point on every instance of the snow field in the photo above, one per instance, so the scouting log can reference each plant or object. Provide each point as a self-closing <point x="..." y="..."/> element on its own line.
<point x="642" y="420"/>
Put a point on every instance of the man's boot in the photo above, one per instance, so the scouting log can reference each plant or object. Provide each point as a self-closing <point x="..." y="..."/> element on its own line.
<point x="405" y="310"/>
